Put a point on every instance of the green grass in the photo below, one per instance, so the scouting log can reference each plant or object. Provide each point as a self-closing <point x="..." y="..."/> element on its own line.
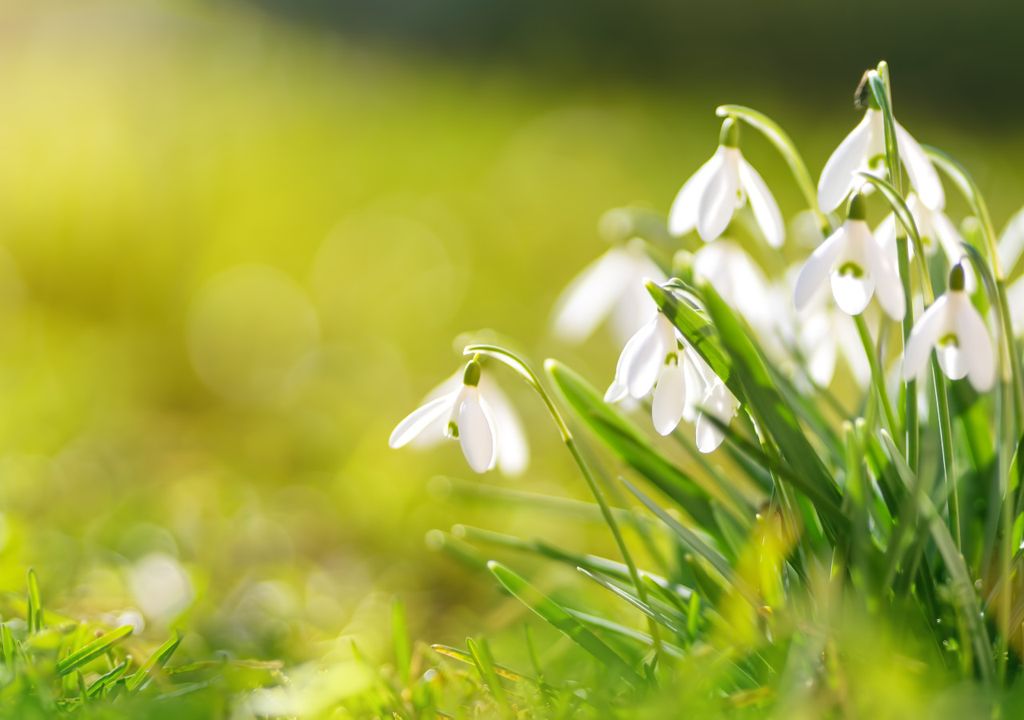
<point x="219" y="238"/>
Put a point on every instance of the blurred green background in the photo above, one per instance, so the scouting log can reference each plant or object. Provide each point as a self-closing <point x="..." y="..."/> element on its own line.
<point x="237" y="241"/>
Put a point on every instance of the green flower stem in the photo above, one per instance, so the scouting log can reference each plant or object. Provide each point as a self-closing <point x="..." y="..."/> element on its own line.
<point x="513" y="361"/>
<point x="948" y="456"/>
<point x="877" y="378"/>
<point x="879" y="85"/>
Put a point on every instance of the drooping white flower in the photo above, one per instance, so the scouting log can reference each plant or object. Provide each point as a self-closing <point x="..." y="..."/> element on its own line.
<point x="717" y="401"/>
<point x="864" y="150"/>
<point x="955" y="329"/>
<point x="709" y="198"/>
<point x="822" y="334"/>
<point x="736" y="277"/>
<point x="475" y="414"/>
<point x="857" y="266"/>
<point x="657" y="359"/>
<point x="936" y="230"/>
<point x="611" y="285"/>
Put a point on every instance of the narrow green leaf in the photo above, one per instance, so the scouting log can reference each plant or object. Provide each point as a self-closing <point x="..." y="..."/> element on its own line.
<point x="615" y="628"/>
<point x="481" y="654"/>
<point x="154" y="663"/>
<point x="464" y="657"/>
<point x="93" y="650"/>
<point x="7" y="644"/>
<point x="400" y="638"/>
<point x="559" y="618"/>
<point x="688" y="537"/>
<point x="35" y="603"/>
<point x="774" y="415"/>
<point x="107" y="679"/>
<point x="961" y="583"/>
<point x="645" y="607"/>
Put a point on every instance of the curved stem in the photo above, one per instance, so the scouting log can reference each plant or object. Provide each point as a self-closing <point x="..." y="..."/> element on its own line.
<point x="787" y="148"/>
<point x="513" y="361"/>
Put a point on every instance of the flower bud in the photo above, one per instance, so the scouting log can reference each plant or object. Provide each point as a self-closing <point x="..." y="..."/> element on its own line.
<point x="471" y="377"/>
<point x="956" y="278"/>
<point x="857" y="209"/>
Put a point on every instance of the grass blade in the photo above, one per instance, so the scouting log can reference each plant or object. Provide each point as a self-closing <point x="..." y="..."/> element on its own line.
<point x="93" y="650"/>
<point x="153" y="664"/>
<point x="35" y="603"/>
<point x="564" y="622"/>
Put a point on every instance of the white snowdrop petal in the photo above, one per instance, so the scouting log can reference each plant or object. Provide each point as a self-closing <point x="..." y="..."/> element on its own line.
<point x="476" y="434"/>
<point x="591" y="295"/>
<point x="1015" y="299"/>
<point x="762" y="203"/>
<point x="817" y="268"/>
<point x="849" y="343"/>
<point x="821" y="362"/>
<point x="887" y="280"/>
<point x="852" y="293"/>
<point x="619" y="385"/>
<point x="694" y="385"/>
<point x="885" y="235"/>
<point x="721" y="404"/>
<point x="922" y="173"/>
<point x="932" y="325"/>
<point x="641" y="371"/>
<point x="420" y="419"/>
<point x="952" y="359"/>
<point x="718" y="202"/>
<point x="975" y="345"/>
<point x="837" y="177"/>
<point x="1011" y="242"/>
<point x="513" y="452"/>
<point x="709" y="435"/>
<point x="682" y="217"/>
<point x="669" y="398"/>
<point x="616" y="391"/>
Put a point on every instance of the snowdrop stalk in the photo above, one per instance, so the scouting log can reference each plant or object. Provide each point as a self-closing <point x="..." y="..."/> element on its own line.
<point x="513" y="361"/>
<point x="878" y="86"/>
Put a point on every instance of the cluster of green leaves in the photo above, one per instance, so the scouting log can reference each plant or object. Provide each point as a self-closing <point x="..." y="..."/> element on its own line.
<point x="819" y="537"/>
<point x="51" y="665"/>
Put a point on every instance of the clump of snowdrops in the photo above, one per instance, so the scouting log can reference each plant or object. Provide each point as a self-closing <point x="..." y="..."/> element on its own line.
<point x="852" y="497"/>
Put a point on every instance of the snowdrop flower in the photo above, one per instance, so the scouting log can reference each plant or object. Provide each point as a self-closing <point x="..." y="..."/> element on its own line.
<point x="712" y="194"/>
<point x="955" y="329"/>
<point x="858" y="267"/>
<point x="864" y="150"/>
<point x="935" y="229"/>
<point x="611" y="285"/>
<point x="656" y="358"/>
<point x="822" y="333"/>
<point x="483" y="423"/>
<point x="717" y="401"/>
<point x="736" y="277"/>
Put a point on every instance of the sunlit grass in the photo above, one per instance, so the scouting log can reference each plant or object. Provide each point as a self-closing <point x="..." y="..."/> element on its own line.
<point x="234" y="252"/>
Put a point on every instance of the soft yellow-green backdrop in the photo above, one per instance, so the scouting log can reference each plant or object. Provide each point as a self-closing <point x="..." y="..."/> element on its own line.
<point x="234" y="252"/>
